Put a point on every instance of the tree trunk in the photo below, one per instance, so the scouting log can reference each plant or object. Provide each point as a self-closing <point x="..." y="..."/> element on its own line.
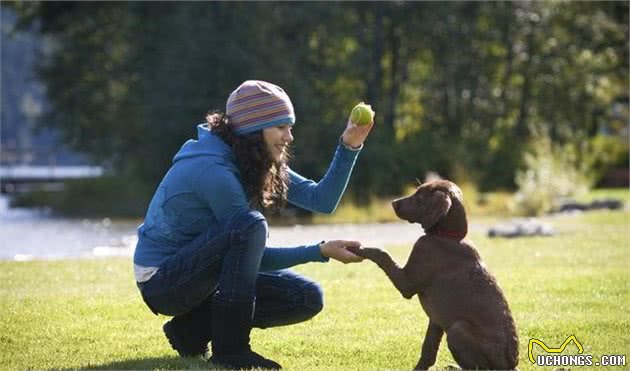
<point x="395" y="76"/>
<point x="376" y="76"/>
<point x="521" y="130"/>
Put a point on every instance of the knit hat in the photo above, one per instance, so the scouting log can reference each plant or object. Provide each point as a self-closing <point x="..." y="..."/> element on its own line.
<point x="256" y="105"/>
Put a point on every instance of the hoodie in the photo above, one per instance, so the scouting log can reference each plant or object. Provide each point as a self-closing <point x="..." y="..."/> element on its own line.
<point x="202" y="190"/>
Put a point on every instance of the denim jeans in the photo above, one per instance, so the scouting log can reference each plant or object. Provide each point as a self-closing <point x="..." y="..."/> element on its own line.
<point x="225" y="263"/>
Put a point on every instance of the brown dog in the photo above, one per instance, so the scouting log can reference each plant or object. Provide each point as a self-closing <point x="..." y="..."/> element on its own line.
<point x="456" y="291"/>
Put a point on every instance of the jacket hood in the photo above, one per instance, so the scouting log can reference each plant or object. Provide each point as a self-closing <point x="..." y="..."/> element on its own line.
<point x="206" y="144"/>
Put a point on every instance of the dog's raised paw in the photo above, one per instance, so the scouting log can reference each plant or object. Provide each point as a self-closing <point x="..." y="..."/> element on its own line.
<point x="373" y="253"/>
<point x="356" y="250"/>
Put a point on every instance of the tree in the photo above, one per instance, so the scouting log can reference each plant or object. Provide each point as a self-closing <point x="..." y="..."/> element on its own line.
<point x="458" y="87"/>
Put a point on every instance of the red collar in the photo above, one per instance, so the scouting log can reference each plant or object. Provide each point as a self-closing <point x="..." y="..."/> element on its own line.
<point x="456" y="235"/>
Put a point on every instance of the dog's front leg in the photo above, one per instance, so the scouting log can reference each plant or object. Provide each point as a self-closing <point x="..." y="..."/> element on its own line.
<point x="430" y="346"/>
<point x="395" y="273"/>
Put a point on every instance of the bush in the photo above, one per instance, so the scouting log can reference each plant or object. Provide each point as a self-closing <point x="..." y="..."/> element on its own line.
<point x="603" y="153"/>
<point x="551" y="172"/>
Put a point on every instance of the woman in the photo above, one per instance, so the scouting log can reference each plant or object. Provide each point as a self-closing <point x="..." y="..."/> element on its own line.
<point x="201" y="254"/>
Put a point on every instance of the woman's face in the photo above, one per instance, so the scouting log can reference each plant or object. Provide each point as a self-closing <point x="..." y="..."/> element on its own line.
<point x="277" y="139"/>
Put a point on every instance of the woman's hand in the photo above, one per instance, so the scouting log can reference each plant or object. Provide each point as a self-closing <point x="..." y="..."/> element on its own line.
<point x="337" y="249"/>
<point x="355" y="135"/>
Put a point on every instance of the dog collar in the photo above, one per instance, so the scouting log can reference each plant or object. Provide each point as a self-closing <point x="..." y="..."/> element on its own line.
<point x="456" y="235"/>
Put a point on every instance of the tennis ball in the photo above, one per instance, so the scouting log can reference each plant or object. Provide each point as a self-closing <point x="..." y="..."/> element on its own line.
<point x="362" y="114"/>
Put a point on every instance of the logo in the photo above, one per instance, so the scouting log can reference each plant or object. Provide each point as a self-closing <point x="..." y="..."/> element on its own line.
<point x="580" y="359"/>
<point x="530" y="347"/>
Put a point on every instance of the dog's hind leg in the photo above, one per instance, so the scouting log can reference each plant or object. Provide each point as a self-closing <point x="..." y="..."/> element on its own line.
<point x="430" y="346"/>
<point x="465" y="347"/>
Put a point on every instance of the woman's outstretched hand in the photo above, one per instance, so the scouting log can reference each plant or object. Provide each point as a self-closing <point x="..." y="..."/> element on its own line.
<point x="355" y="135"/>
<point x="337" y="249"/>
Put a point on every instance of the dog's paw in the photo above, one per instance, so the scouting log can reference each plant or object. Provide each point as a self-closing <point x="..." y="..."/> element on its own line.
<point x="356" y="250"/>
<point x="371" y="253"/>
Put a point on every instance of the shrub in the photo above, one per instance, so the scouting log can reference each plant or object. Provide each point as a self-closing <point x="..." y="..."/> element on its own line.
<point x="604" y="152"/>
<point x="551" y="172"/>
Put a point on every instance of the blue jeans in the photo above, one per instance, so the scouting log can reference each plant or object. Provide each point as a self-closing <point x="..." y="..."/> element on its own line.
<point x="225" y="263"/>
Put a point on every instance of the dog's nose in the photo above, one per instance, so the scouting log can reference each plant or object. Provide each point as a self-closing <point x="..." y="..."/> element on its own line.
<point x="396" y="205"/>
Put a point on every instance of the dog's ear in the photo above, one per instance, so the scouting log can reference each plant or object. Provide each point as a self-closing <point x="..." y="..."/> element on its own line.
<point x="433" y="208"/>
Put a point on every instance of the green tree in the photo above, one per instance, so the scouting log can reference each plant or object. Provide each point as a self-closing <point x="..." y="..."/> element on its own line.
<point x="458" y="87"/>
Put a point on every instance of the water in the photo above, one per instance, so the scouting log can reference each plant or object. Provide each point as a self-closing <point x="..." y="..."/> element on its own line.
<point x="34" y="234"/>
<point x="27" y="234"/>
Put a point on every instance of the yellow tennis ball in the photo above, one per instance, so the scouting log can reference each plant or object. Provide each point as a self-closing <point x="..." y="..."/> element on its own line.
<point x="362" y="114"/>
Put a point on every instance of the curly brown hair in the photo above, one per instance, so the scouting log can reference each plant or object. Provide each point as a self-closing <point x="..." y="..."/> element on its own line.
<point x="265" y="181"/>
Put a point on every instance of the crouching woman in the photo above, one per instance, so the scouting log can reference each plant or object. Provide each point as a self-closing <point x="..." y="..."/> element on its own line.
<point x="201" y="255"/>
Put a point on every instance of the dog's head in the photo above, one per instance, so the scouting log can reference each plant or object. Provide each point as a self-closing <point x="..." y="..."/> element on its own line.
<point x="433" y="204"/>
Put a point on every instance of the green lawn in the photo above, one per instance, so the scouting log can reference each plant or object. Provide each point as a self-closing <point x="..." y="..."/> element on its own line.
<point x="87" y="314"/>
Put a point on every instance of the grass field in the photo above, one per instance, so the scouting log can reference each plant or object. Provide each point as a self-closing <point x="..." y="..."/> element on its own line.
<point x="87" y="314"/>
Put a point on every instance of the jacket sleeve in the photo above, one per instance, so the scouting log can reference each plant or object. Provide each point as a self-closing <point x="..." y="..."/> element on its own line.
<point x="275" y="258"/>
<point x="220" y="188"/>
<point x="324" y="196"/>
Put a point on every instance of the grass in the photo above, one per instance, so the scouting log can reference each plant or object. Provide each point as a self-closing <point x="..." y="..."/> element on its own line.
<point x="87" y="314"/>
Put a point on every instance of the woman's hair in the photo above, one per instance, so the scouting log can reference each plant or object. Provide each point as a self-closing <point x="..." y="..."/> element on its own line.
<point x="265" y="181"/>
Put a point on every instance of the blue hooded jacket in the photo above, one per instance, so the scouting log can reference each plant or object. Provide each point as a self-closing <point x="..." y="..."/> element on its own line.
<point x="202" y="190"/>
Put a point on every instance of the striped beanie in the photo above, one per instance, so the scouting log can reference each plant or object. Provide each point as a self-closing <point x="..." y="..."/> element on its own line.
<point x="256" y="105"/>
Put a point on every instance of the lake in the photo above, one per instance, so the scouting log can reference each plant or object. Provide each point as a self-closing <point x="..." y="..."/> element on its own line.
<point x="27" y="234"/>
